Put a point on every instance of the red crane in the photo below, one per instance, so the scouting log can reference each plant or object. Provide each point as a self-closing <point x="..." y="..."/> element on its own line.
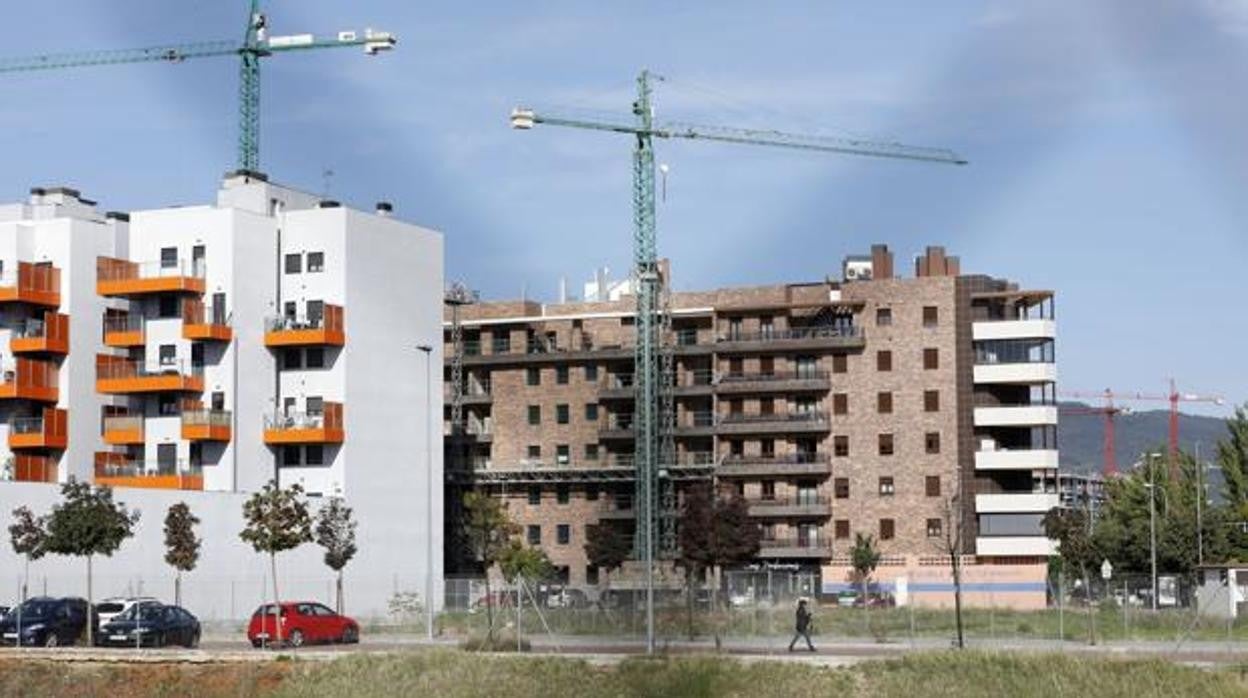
<point x="1109" y="464"/>
<point x="1174" y="397"/>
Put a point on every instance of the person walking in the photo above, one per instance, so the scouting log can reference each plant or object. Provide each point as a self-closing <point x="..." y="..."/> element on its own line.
<point x="802" y="626"/>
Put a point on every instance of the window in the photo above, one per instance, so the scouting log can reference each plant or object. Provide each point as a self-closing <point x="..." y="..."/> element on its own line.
<point x="884" y="360"/>
<point x="931" y="316"/>
<point x="884" y="403"/>
<point x="534" y="376"/>
<point x="842" y="529"/>
<point x="840" y="487"/>
<point x="807" y="367"/>
<point x="167" y="404"/>
<point x="294" y="264"/>
<point x="767" y="365"/>
<point x="591" y="575"/>
<point x="767" y="405"/>
<point x="591" y="493"/>
<point x="591" y="451"/>
<point x="768" y="489"/>
<point x="535" y="452"/>
<point x="886" y="444"/>
<point x="736" y="366"/>
<point x="840" y="446"/>
<point x="931" y="359"/>
<point x="314" y="454"/>
<point x="931" y="485"/>
<point x="887" y="488"/>
<point x="767" y="531"/>
<point x="168" y="306"/>
<point x="840" y="403"/>
<point x="290" y="455"/>
<point x="933" y="528"/>
<point x="315" y="357"/>
<point x="316" y="262"/>
<point x="736" y="406"/>
<point x="840" y="363"/>
<point x="931" y="442"/>
<point x="591" y="411"/>
<point x="292" y="358"/>
<point x="534" y="535"/>
<point x="767" y="447"/>
<point x="289" y="310"/>
<point x="562" y="495"/>
<point x="563" y="454"/>
<point x="736" y="448"/>
<point x="563" y="534"/>
<point x="561" y="414"/>
<point x="883" y="317"/>
<point x="315" y="405"/>
<point x="535" y="415"/>
<point x="887" y="529"/>
<point x="316" y="311"/>
<point x="931" y="400"/>
<point x="535" y="494"/>
<point x="168" y="355"/>
<point x="765" y="327"/>
<point x="591" y="373"/>
<point x="734" y="328"/>
<point x="168" y="258"/>
<point x="561" y="375"/>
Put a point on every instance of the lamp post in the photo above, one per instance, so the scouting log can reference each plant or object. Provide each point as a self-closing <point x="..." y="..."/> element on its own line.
<point x="1152" y="520"/>
<point x="427" y="350"/>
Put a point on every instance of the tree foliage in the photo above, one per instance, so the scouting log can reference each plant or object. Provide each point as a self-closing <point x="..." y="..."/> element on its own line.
<point x="487" y="529"/>
<point x="519" y="561"/>
<point x="88" y="522"/>
<point x="276" y="519"/>
<point x="28" y="534"/>
<point x="607" y="547"/>
<point x="864" y="557"/>
<point x="715" y="531"/>
<point x="181" y="543"/>
<point x="335" y="532"/>
<point x="1233" y="457"/>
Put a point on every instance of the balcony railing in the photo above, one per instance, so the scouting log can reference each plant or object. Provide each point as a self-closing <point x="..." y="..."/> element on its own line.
<point x="478" y="389"/>
<point x="207" y="425"/>
<point x="793" y="334"/>
<point x="123" y="329"/>
<point x="812" y="416"/>
<point x="801" y="505"/>
<point x="695" y="458"/>
<point x="123" y="430"/>
<point x="205" y="322"/>
<point x="49" y="334"/>
<point x="115" y="470"/>
<point x="795" y="545"/>
<point x="296" y="330"/>
<point x="49" y="431"/>
<point x="30" y="379"/>
<point x="773" y="376"/>
<point x="781" y="459"/>
<point x="39" y="284"/>
<point x="325" y="426"/>
<point x="117" y="375"/>
<point x="120" y="277"/>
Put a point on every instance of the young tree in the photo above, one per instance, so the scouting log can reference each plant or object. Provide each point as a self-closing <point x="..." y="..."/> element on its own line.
<point x="276" y="520"/>
<point x="1233" y="457"/>
<point x="488" y="531"/>
<point x="607" y="548"/>
<point x="519" y="561"/>
<point x="181" y="544"/>
<point x="864" y="557"/>
<point x="714" y="532"/>
<point x="335" y="532"/>
<point x="87" y="522"/>
<point x="951" y="544"/>
<point x="29" y="536"/>
<point x="1072" y="529"/>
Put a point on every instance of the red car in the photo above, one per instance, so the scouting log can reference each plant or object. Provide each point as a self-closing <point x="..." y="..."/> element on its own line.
<point x="303" y="623"/>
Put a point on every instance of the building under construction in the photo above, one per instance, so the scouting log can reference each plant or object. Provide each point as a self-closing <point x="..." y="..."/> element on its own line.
<point x="872" y="403"/>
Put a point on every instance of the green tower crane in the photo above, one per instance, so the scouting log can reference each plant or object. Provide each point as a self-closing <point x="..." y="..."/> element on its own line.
<point x="648" y="420"/>
<point x="256" y="44"/>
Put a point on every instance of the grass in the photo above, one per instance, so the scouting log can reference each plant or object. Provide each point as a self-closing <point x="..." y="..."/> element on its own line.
<point x="451" y="674"/>
<point x="881" y="625"/>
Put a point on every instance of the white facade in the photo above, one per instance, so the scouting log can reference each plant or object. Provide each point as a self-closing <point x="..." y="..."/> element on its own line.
<point x="271" y="335"/>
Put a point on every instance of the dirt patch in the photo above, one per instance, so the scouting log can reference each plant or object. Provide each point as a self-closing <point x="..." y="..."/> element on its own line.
<point x="38" y="678"/>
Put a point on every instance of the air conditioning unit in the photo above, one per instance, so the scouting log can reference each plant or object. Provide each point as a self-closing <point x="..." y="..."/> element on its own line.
<point x="562" y="460"/>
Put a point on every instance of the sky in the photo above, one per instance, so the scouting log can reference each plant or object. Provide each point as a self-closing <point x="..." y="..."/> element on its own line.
<point x="1106" y="139"/>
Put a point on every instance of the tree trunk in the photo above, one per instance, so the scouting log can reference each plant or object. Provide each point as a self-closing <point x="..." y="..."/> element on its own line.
<point x="90" y="607"/>
<point x="277" y="601"/>
<point x="177" y="589"/>
<point x="866" y="604"/>
<point x="489" y="610"/>
<point x="338" y="593"/>
<point x="25" y="579"/>
<point x="689" y="602"/>
<point x="956" y="561"/>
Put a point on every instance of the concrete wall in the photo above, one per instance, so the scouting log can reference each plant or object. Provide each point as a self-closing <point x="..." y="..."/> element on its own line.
<point x="928" y="582"/>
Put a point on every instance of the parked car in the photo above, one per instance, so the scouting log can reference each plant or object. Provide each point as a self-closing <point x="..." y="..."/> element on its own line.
<point x="876" y="600"/>
<point x="110" y="608"/>
<point x="302" y="622"/>
<point x="152" y="624"/>
<point x="497" y="599"/>
<point x="46" y="622"/>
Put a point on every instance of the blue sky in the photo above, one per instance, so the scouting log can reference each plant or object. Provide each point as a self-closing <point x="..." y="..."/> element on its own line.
<point x="1107" y="143"/>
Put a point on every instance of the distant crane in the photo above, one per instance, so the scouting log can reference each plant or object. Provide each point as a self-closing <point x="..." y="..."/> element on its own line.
<point x="1174" y="397"/>
<point x="647" y="354"/>
<point x="256" y="44"/>
<point x="1109" y="458"/>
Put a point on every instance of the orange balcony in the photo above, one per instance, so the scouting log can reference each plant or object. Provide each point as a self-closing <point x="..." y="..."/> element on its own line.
<point x="205" y="323"/>
<point x="328" y="329"/>
<point x="206" y="425"/>
<point x="324" y="427"/>
<point x="47" y="336"/>
<point x="123" y="330"/>
<point x="115" y="470"/>
<point x="123" y="278"/>
<point x="34" y="467"/>
<point x="30" y="379"/>
<point x="39" y="284"/>
<point x="123" y="430"/>
<point x="115" y="375"/>
<point x="49" y="431"/>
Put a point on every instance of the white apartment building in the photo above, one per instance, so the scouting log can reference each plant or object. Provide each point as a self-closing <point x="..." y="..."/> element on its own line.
<point x="214" y="348"/>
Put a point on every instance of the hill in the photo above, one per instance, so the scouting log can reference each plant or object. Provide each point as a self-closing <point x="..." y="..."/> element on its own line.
<point x="1080" y="437"/>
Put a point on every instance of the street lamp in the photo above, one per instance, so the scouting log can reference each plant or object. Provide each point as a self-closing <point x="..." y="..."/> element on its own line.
<point x="1152" y="520"/>
<point x="427" y="350"/>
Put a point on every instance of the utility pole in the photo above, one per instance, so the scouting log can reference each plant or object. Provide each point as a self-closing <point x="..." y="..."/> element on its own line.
<point x="427" y="350"/>
<point x="1200" y="494"/>
<point x="1152" y="523"/>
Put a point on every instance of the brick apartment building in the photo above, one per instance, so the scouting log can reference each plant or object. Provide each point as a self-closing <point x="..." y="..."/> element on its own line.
<point x="835" y="407"/>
